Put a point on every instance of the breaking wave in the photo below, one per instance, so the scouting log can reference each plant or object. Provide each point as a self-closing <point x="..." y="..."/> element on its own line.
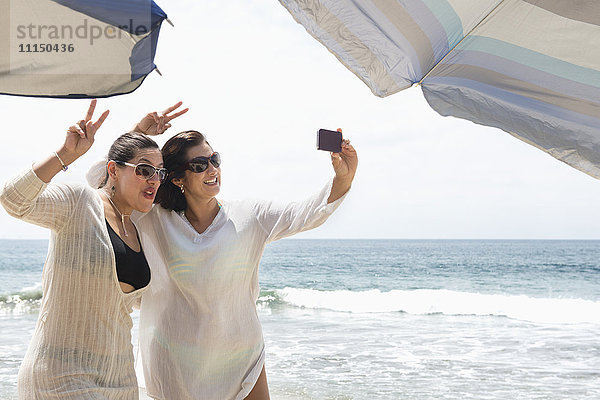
<point x="25" y="301"/>
<point x="446" y="302"/>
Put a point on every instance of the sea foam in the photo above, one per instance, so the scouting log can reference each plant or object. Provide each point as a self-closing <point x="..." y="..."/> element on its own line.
<point x="447" y="302"/>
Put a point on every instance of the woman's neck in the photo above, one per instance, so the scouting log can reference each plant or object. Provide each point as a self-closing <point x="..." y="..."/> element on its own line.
<point x="118" y="218"/>
<point x="201" y="212"/>
<point x="119" y="205"/>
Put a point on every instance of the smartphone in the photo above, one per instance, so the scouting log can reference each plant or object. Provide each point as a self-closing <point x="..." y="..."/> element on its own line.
<point x="329" y="140"/>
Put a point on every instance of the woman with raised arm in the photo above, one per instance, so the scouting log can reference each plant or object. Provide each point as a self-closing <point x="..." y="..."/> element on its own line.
<point x="200" y="335"/>
<point x="95" y="270"/>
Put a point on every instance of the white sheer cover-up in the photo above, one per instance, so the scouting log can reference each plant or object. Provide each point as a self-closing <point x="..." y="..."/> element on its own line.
<point x="81" y="347"/>
<point x="200" y="335"/>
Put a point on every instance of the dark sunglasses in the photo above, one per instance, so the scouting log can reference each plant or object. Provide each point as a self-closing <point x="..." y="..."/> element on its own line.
<point x="146" y="171"/>
<point x="200" y="164"/>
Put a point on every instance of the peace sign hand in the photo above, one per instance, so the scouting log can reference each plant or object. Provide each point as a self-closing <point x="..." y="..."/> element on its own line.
<point x="80" y="136"/>
<point x="155" y="124"/>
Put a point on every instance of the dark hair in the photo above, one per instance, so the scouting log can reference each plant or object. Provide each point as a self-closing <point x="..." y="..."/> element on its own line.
<point x="127" y="146"/>
<point x="174" y="154"/>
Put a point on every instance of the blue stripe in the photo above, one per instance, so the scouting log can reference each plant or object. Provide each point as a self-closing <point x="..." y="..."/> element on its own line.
<point x="571" y="119"/>
<point x="530" y="58"/>
<point x="446" y="16"/>
<point x="431" y="27"/>
<point x="513" y="69"/>
<point x="134" y="16"/>
<point x="142" y="55"/>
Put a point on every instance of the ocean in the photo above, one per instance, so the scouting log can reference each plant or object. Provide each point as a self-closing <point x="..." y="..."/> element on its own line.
<point x="394" y="319"/>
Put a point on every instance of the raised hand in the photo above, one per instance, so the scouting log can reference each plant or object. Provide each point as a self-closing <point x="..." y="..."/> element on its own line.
<point x="344" y="165"/>
<point x="155" y="124"/>
<point x="80" y="136"/>
<point x="346" y="162"/>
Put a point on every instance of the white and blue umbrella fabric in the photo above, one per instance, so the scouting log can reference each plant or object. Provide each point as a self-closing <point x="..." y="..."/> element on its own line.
<point x="529" y="67"/>
<point x="77" y="48"/>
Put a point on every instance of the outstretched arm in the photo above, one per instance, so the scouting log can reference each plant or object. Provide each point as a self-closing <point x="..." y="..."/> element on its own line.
<point x="283" y="221"/>
<point x="29" y="197"/>
<point x="80" y="138"/>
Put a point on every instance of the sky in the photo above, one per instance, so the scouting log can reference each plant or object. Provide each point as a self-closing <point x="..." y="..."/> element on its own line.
<point x="259" y="86"/>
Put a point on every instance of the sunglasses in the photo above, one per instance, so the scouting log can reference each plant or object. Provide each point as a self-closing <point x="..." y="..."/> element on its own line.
<point x="146" y="171"/>
<point x="200" y="164"/>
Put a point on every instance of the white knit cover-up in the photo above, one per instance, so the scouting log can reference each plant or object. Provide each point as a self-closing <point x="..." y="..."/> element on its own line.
<point x="200" y="335"/>
<point x="81" y="348"/>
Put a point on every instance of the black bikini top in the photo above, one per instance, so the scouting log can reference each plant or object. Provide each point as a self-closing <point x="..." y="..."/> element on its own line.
<point x="132" y="267"/>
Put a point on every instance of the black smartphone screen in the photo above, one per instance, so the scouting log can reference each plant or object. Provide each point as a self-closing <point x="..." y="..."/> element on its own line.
<point x="329" y="140"/>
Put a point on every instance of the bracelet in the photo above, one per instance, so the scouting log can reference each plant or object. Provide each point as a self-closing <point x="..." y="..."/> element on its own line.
<point x="64" y="167"/>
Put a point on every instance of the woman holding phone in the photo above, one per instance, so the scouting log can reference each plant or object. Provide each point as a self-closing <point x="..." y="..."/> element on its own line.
<point x="200" y="336"/>
<point x="95" y="270"/>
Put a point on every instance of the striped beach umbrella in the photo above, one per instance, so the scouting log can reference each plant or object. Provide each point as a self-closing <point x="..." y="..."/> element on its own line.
<point x="77" y="48"/>
<point x="529" y="67"/>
